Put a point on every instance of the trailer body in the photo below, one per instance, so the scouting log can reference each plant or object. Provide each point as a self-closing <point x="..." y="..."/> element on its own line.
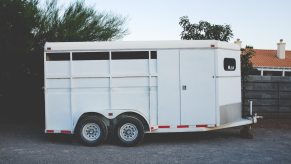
<point x="173" y="86"/>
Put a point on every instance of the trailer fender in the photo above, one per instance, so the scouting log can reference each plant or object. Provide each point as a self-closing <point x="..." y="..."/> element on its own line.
<point x="137" y="115"/>
<point x="83" y="115"/>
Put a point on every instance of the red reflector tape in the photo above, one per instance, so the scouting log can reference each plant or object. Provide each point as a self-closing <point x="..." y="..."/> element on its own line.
<point x="50" y="131"/>
<point x="201" y="126"/>
<point x="66" y="131"/>
<point x="164" y="126"/>
<point x="183" y="126"/>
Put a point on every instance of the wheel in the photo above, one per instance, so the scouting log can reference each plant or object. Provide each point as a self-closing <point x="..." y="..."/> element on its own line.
<point x="92" y="131"/>
<point x="246" y="132"/>
<point x="129" y="131"/>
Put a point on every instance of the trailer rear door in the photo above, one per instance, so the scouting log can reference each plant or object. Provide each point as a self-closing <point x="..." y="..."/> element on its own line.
<point x="197" y="73"/>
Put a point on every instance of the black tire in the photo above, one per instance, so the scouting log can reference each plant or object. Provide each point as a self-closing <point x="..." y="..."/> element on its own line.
<point x="132" y="130"/>
<point x="88" y="126"/>
<point x="246" y="132"/>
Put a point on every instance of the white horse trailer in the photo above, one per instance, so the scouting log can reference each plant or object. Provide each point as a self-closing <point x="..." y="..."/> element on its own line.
<point x="137" y="87"/>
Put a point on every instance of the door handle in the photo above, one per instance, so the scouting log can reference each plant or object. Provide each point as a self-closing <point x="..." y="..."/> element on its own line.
<point x="184" y="87"/>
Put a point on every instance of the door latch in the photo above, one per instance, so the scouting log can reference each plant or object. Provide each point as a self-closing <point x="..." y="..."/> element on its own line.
<point x="184" y="87"/>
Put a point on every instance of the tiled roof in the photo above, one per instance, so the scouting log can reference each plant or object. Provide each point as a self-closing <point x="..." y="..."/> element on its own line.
<point x="268" y="58"/>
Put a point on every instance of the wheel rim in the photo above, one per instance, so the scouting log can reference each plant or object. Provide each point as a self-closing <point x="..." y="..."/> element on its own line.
<point x="128" y="132"/>
<point x="91" y="131"/>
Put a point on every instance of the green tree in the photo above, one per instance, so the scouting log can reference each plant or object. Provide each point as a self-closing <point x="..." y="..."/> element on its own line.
<point x="16" y="38"/>
<point x="204" y="30"/>
<point x="77" y="23"/>
<point x="17" y="20"/>
<point x="246" y="67"/>
<point x="246" y="64"/>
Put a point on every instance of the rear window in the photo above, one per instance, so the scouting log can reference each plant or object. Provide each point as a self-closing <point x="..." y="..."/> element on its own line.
<point x="229" y="64"/>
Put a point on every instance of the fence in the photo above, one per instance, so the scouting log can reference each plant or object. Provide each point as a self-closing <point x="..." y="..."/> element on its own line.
<point x="271" y="96"/>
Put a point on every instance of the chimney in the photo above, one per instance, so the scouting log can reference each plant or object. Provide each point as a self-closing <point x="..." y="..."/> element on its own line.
<point x="238" y="42"/>
<point x="281" y="49"/>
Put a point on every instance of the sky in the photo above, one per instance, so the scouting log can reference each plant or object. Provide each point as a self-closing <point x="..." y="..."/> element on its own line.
<point x="259" y="23"/>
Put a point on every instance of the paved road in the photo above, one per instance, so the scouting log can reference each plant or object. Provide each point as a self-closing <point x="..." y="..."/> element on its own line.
<point x="272" y="144"/>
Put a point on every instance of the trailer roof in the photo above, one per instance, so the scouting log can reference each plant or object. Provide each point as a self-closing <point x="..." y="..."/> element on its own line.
<point x="137" y="45"/>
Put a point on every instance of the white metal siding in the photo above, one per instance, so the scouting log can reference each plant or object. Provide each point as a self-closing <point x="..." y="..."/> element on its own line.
<point x="58" y="69"/>
<point x="229" y="87"/>
<point x="197" y="74"/>
<point x="58" y="116"/>
<point x="138" y="45"/>
<point x="130" y="67"/>
<point x="81" y="86"/>
<point x="90" y="68"/>
<point x="169" y="87"/>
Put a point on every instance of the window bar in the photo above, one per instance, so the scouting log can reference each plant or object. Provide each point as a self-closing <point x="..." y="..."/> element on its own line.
<point x="149" y="77"/>
<point x="71" y="86"/>
<point x="110" y="80"/>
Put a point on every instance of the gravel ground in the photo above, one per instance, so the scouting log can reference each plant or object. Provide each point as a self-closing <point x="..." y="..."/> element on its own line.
<point x="272" y="144"/>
